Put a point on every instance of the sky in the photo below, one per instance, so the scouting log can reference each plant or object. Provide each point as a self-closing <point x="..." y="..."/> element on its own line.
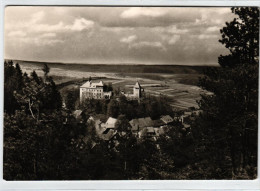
<point x="115" y="35"/>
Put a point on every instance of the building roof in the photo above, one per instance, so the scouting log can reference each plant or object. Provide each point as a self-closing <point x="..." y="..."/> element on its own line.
<point x="77" y="113"/>
<point x="137" y="85"/>
<point x="90" y="84"/>
<point x="159" y="131"/>
<point x="167" y="119"/>
<point x="99" y="127"/>
<point x="140" y="123"/>
<point x="101" y="117"/>
<point x="186" y="125"/>
<point x="111" y="122"/>
<point x="108" y="135"/>
<point x="150" y="129"/>
<point x="158" y="123"/>
<point x="147" y="131"/>
<point x="187" y="113"/>
<point x="134" y="124"/>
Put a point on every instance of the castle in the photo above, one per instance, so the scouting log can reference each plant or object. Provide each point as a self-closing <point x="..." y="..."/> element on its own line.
<point x="137" y="92"/>
<point x="93" y="90"/>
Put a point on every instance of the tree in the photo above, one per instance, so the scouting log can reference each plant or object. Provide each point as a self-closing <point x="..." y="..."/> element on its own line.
<point x="112" y="108"/>
<point x="228" y="124"/>
<point x="122" y="124"/>
<point x="108" y="87"/>
<point x="35" y="139"/>
<point x="35" y="77"/>
<point x="70" y="100"/>
<point x="45" y="70"/>
<point x="13" y="81"/>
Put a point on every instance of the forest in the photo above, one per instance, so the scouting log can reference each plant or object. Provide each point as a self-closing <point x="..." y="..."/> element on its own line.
<point x="43" y="142"/>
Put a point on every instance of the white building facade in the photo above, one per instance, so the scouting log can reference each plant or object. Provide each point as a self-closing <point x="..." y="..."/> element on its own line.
<point x="92" y="90"/>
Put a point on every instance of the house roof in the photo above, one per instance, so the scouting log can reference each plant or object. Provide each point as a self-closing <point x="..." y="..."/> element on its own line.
<point x="108" y="135"/>
<point x="100" y="117"/>
<point x="187" y="113"/>
<point x="77" y="113"/>
<point x="159" y="131"/>
<point x="90" y="84"/>
<point x="134" y="124"/>
<point x="99" y="127"/>
<point x="167" y="119"/>
<point x="186" y="125"/>
<point x="143" y="132"/>
<point x="158" y="123"/>
<point x="147" y="131"/>
<point x="150" y="129"/>
<point x="141" y="123"/>
<point x="111" y="122"/>
<point x="145" y="122"/>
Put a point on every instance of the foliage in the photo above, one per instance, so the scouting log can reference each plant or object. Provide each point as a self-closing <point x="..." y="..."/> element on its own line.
<point x="71" y="99"/>
<point x="42" y="141"/>
<point x="29" y="120"/>
<point x="12" y="82"/>
<point x="228" y="125"/>
<point x="108" y="87"/>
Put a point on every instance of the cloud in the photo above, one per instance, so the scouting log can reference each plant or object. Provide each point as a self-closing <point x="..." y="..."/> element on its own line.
<point x="36" y="24"/>
<point x="214" y="16"/>
<point x="40" y="41"/>
<point x="124" y="34"/>
<point x="16" y="34"/>
<point x="36" y="17"/>
<point x="223" y="11"/>
<point x="213" y="29"/>
<point x="133" y="44"/>
<point x="174" y="39"/>
<point x="128" y="39"/>
<point x="117" y="29"/>
<point x="80" y="24"/>
<point x="135" y="12"/>
<point x="207" y="36"/>
<point x="145" y="44"/>
<point x="47" y="28"/>
<point x="174" y="30"/>
<point x="48" y="35"/>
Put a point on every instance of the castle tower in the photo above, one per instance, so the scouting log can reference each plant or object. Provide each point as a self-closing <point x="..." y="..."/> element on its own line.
<point x="137" y="90"/>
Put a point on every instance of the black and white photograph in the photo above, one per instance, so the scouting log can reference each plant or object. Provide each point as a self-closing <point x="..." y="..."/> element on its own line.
<point x="130" y="93"/>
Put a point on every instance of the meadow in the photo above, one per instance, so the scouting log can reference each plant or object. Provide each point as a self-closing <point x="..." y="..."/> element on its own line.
<point x="179" y="83"/>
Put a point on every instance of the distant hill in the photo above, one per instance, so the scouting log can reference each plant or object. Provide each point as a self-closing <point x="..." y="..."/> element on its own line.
<point x="119" y="68"/>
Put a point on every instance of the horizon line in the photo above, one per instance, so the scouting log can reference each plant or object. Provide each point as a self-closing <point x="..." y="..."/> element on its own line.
<point x="127" y="63"/>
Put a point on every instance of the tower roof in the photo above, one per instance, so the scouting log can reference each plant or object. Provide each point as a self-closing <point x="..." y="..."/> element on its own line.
<point x="137" y="85"/>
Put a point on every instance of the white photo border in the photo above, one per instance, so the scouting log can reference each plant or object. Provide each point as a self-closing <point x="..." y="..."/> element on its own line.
<point x="128" y="184"/>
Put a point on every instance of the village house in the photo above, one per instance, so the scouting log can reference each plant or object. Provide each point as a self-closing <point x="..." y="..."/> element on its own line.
<point x="140" y="123"/>
<point x="93" y="90"/>
<point x="188" y="117"/>
<point x="148" y="128"/>
<point x="137" y="92"/>
<point x="104" y="130"/>
<point x="111" y="123"/>
<point x="167" y="119"/>
<point x="78" y="115"/>
<point x="151" y="132"/>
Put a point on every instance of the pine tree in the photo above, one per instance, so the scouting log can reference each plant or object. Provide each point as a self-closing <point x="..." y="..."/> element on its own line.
<point x="46" y="71"/>
<point x="228" y="125"/>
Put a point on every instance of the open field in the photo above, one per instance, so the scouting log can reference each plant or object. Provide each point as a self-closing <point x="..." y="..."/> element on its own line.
<point x="176" y="82"/>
